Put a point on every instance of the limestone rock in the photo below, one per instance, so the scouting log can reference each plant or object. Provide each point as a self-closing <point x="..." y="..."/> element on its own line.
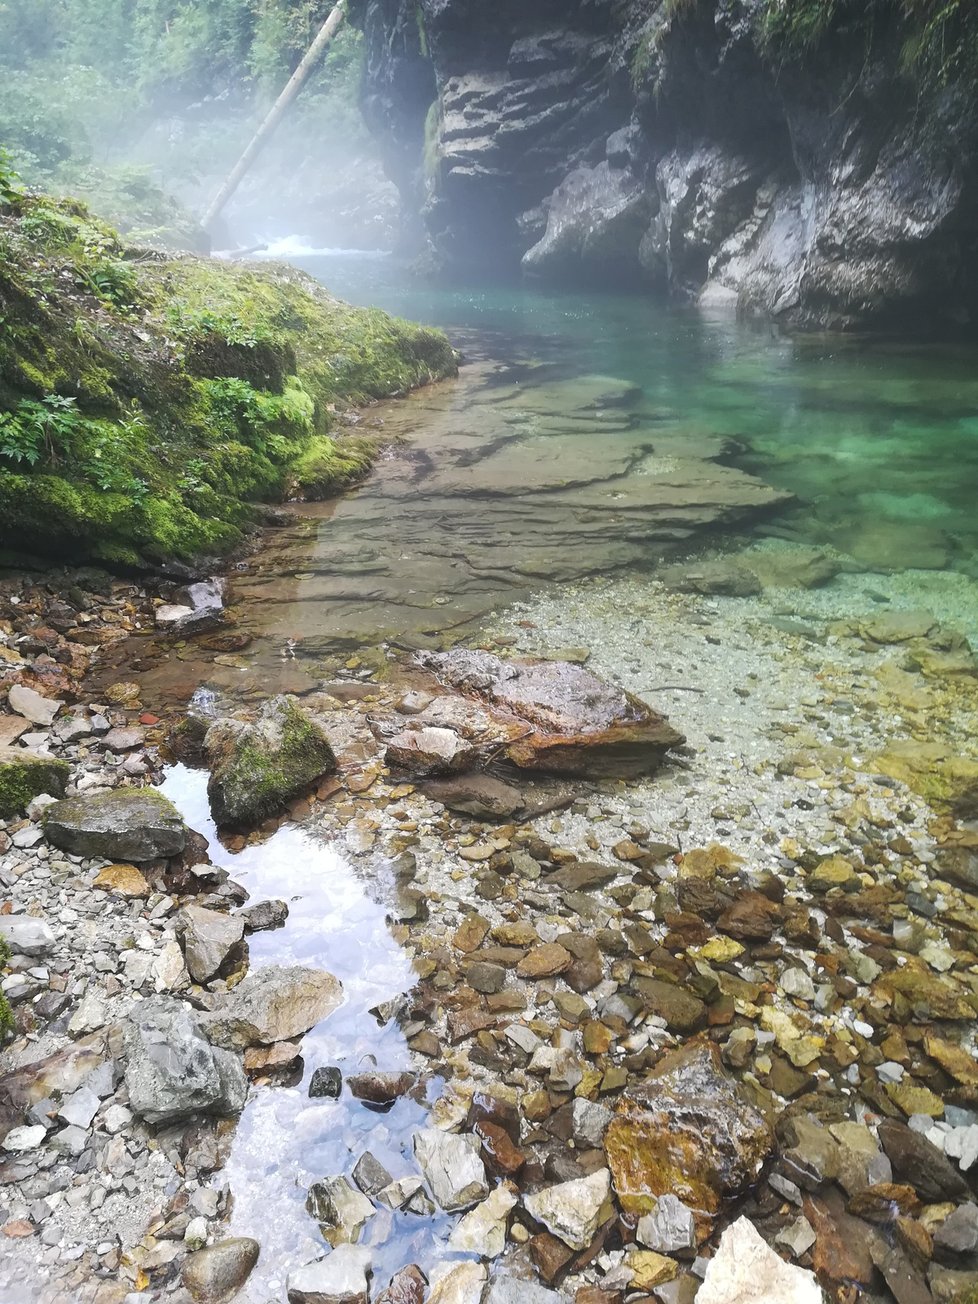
<point x="573" y="1210"/>
<point x="197" y="609"/>
<point x="513" y="1290"/>
<point x="32" y="705"/>
<point x="341" y="1278"/>
<point x="172" y="1071"/>
<point x="459" y="1283"/>
<point x="122" y="880"/>
<point x="689" y="1130"/>
<point x="216" y="1274"/>
<point x="26" y="935"/>
<point x="257" y="767"/>
<point x="124" y="824"/>
<point x="264" y="915"/>
<point x="276" y="1003"/>
<point x="430" y="749"/>
<point x="208" y="937"/>
<point x="745" y="1270"/>
<point x="341" y="1211"/>
<point x="25" y="775"/>
<point x="482" y="1230"/>
<point x="452" y="1167"/>
<point x="668" y="1228"/>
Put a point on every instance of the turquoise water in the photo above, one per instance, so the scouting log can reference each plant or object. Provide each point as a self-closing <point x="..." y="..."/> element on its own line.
<point x="878" y="440"/>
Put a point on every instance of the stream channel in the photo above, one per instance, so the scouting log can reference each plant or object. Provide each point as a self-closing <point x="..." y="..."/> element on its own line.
<point x="587" y="435"/>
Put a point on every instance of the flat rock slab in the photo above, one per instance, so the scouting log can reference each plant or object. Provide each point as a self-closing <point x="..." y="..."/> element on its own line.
<point x="125" y="824"/>
<point x="32" y="705"/>
<point x="26" y="935"/>
<point x="550" y="716"/>
<point x="341" y="1278"/>
<point x="745" y="1270"/>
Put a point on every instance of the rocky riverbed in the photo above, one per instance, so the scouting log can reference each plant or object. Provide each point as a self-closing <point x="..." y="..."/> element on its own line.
<point x="655" y="1025"/>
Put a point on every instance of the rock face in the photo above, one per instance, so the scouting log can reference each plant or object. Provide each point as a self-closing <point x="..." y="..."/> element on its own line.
<point x="684" y="144"/>
<point x="745" y="1270"/>
<point x="173" y="1071"/>
<point x="125" y="824"/>
<point x="688" y="1130"/>
<point x="539" y="715"/>
<point x="257" y="767"/>
<point x="273" y="1004"/>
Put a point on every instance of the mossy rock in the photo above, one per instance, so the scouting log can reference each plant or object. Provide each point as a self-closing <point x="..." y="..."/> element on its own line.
<point x="160" y="395"/>
<point x="258" y="767"/>
<point x="24" y="777"/>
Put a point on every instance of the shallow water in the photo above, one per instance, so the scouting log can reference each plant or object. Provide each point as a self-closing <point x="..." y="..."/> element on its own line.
<point x="286" y="1141"/>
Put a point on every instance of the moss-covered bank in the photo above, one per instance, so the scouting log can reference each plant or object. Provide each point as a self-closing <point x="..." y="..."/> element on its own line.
<point x="145" y="400"/>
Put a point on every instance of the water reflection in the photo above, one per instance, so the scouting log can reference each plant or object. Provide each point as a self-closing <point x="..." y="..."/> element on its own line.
<point x="285" y="1141"/>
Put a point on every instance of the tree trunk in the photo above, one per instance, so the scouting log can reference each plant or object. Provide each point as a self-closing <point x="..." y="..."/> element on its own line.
<point x="278" y="110"/>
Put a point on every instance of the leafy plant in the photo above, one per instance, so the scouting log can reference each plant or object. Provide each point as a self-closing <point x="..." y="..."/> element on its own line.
<point x="110" y="280"/>
<point x="37" y="431"/>
<point x="10" y="188"/>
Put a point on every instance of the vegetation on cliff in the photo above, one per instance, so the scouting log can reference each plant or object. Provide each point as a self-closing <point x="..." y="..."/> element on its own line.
<point x="146" y="399"/>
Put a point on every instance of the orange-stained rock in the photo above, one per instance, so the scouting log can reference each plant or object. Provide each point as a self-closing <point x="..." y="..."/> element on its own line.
<point x="122" y="880"/>
<point x="689" y="1130"/>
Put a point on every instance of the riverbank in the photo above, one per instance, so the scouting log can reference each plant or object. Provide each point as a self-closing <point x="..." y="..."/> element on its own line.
<point x="777" y="892"/>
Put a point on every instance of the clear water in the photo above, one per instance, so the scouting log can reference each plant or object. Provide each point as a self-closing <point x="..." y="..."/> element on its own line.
<point x="879" y="440"/>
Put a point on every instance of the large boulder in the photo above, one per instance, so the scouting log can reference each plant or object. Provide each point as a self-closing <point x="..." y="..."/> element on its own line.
<point x="258" y="766"/>
<point x="24" y="776"/>
<point x="689" y="1130"/>
<point x="555" y="716"/>
<point x="125" y="824"/>
<point x="173" y="1071"/>
<point x="273" y="1004"/>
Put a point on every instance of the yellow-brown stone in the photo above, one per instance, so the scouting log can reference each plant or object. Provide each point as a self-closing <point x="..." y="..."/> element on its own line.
<point x="122" y="880"/>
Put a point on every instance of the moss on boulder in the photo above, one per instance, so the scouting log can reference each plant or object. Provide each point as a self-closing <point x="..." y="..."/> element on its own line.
<point x="24" y="776"/>
<point x="257" y="767"/>
<point x="146" y="399"/>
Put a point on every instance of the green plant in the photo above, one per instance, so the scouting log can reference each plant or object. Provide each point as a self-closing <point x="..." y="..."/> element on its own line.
<point x="110" y="280"/>
<point x="37" y="431"/>
<point x="10" y="188"/>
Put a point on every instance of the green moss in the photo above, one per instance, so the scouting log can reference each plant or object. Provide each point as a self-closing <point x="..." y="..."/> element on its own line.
<point x="6" y="1013"/>
<point x="156" y="396"/>
<point x="24" y="778"/>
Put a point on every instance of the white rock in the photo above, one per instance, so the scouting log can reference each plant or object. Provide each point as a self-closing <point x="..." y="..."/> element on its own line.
<point x="91" y="1013"/>
<point x="340" y="1209"/>
<point x="33" y="706"/>
<point x="745" y="1270"/>
<point x="26" y="935"/>
<point x="452" y="1168"/>
<point x="169" y="971"/>
<point x="80" y="1108"/>
<point x="668" y="1228"/>
<point x="483" y="1229"/>
<point x="115" y="1118"/>
<point x="20" y="1139"/>
<point x="796" y="982"/>
<point x="340" y="1278"/>
<point x="573" y="1210"/>
<point x="38" y="805"/>
<point x="460" y="1283"/>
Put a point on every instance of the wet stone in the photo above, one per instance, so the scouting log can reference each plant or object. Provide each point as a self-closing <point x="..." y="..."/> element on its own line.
<point x="340" y="1278"/>
<point x="573" y="1210"/>
<point x="215" y="1275"/>
<point x="452" y="1168"/>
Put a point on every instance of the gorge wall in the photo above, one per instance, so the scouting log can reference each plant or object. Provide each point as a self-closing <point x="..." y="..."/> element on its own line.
<point x="664" y="143"/>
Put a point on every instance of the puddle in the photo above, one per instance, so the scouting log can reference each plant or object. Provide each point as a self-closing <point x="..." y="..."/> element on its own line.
<point x="285" y="1141"/>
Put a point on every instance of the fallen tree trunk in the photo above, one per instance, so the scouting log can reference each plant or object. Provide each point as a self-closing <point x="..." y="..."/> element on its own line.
<point x="278" y="110"/>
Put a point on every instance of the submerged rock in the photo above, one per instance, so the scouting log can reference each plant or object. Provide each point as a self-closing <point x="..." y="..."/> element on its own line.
<point x="216" y="1274"/>
<point x="341" y="1211"/>
<point x="276" y="1003"/>
<point x="689" y="1130"/>
<point x="172" y="1070"/>
<point x="745" y="1270"/>
<point x="257" y="767"/>
<point x="567" y="721"/>
<point x="125" y="824"/>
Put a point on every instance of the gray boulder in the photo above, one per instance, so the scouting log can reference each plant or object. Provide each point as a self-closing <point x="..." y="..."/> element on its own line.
<point x="195" y="609"/>
<point x="258" y="766"/>
<point x="208" y="937"/>
<point x="216" y="1274"/>
<point x="125" y="824"/>
<point x="172" y="1070"/>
